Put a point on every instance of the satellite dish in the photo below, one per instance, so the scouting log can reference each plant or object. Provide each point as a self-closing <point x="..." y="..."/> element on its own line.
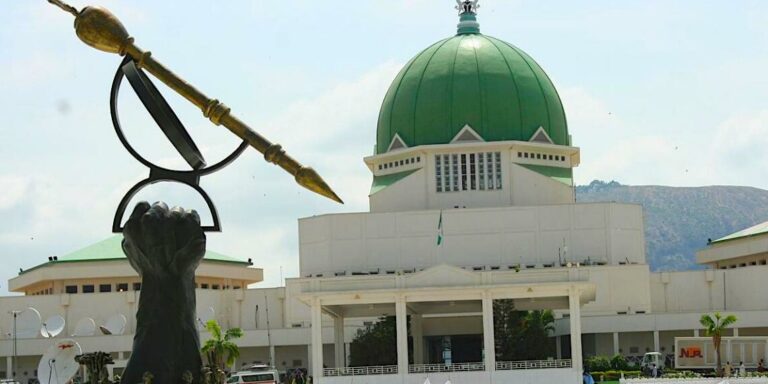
<point x="204" y="316"/>
<point x="115" y="325"/>
<point x="58" y="364"/>
<point x="28" y="324"/>
<point x="85" y="327"/>
<point x="53" y="326"/>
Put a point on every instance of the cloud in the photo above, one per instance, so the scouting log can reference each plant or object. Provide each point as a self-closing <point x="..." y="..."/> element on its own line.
<point x="729" y="152"/>
<point x="737" y="149"/>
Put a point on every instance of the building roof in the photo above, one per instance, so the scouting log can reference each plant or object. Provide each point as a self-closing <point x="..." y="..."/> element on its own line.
<point x="111" y="249"/>
<point x="755" y="230"/>
<point x="470" y="79"/>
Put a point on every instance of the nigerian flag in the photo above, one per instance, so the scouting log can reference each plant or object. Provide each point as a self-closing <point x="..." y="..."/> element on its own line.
<point x="440" y="229"/>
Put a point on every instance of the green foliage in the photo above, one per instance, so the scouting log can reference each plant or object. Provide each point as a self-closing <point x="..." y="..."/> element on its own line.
<point x="376" y="344"/>
<point x="522" y="335"/>
<point x="619" y="363"/>
<point x="614" y="375"/>
<point x="598" y="364"/>
<point x="220" y="350"/>
<point x="714" y="326"/>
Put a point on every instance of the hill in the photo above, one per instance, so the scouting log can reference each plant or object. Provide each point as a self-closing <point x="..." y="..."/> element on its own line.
<point x="679" y="220"/>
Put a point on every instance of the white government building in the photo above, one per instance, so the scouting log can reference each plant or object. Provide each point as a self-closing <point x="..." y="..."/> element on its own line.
<point x="471" y="133"/>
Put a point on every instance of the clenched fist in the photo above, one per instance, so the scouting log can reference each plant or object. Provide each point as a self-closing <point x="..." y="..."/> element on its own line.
<point x="165" y="247"/>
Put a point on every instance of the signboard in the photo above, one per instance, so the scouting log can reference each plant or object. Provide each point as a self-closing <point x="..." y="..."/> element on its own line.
<point x="699" y="352"/>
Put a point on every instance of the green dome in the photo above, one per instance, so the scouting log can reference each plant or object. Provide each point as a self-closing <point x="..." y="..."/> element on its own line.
<point x="470" y="79"/>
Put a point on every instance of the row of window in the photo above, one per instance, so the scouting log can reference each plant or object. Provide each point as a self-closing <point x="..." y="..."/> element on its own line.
<point x="400" y="163"/>
<point x="468" y="172"/>
<point x="742" y="265"/>
<point x="91" y="288"/>
<point x="540" y="156"/>
<point x="122" y="287"/>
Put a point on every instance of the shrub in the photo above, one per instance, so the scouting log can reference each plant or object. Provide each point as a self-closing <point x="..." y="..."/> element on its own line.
<point x="619" y="362"/>
<point x="598" y="364"/>
<point x="614" y="375"/>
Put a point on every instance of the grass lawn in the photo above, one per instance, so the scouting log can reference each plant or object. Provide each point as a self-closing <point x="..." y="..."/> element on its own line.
<point x="608" y="382"/>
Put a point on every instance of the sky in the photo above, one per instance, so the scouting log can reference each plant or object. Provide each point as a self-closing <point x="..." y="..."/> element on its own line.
<point x="655" y="93"/>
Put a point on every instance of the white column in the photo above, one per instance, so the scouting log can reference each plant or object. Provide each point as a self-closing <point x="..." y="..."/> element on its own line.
<point x="615" y="343"/>
<point x="656" y="342"/>
<point x="272" y="355"/>
<point x="735" y="332"/>
<point x="418" y="339"/>
<point x="317" y="340"/>
<point x="574" y="309"/>
<point x="696" y="332"/>
<point x="402" y="335"/>
<point x="9" y="367"/>
<point x="558" y="347"/>
<point x="309" y="357"/>
<point x="489" y="343"/>
<point x="338" y="341"/>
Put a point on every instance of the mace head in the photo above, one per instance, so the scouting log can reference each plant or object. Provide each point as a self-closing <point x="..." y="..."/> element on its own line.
<point x="99" y="28"/>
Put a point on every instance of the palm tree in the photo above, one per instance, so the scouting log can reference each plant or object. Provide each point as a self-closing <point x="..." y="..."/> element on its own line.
<point x="219" y="349"/>
<point x="714" y="326"/>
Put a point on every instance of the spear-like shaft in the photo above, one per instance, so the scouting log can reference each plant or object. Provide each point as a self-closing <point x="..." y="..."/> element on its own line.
<point x="100" y="29"/>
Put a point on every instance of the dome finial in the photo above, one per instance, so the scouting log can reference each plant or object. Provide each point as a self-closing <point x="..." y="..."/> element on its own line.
<point x="467" y="16"/>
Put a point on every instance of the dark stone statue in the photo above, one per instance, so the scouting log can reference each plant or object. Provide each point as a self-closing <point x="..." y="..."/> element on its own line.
<point x="165" y="247"/>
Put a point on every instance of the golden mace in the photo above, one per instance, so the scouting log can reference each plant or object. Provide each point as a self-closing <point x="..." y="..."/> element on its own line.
<point x="100" y="29"/>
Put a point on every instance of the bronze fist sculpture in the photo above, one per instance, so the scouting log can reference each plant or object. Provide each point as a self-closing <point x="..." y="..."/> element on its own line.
<point x="165" y="247"/>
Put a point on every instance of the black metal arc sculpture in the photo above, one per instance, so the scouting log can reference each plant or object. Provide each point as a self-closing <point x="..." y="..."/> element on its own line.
<point x="174" y="130"/>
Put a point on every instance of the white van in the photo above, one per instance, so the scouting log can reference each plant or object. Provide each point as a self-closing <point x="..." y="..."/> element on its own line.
<point x="254" y="377"/>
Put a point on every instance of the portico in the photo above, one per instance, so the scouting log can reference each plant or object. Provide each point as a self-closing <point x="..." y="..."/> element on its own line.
<point x="443" y="291"/>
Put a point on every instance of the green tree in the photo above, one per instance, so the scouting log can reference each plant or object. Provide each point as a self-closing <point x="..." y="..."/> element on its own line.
<point x="220" y="350"/>
<point x="522" y="335"/>
<point x="714" y="325"/>
<point x="619" y="363"/>
<point x="376" y="344"/>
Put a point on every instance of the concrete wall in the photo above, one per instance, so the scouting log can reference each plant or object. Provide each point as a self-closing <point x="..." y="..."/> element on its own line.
<point x="709" y="290"/>
<point x="530" y="188"/>
<point x="535" y="236"/>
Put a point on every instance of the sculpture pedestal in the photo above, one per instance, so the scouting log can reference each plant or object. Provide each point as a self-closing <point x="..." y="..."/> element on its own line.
<point x="165" y="247"/>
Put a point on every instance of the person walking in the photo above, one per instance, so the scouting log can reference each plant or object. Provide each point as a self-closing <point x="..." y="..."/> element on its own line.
<point x="742" y="369"/>
<point x="727" y="369"/>
<point x="761" y="366"/>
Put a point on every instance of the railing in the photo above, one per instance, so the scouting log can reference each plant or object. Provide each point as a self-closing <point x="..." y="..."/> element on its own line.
<point x="361" y="371"/>
<point x="460" y="367"/>
<point x="532" y="364"/>
<point x="436" y="368"/>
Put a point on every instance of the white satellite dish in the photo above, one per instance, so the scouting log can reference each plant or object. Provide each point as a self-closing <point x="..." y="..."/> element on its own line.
<point x="28" y="324"/>
<point x="115" y="325"/>
<point x="53" y="326"/>
<point x="85" y="327"/>
<point x="204" y="316"/>
<point x="58" y="364"/>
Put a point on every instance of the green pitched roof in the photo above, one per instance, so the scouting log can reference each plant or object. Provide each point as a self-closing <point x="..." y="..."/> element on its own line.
<point x="755" y="230"/>
<point x="562" y="175"/>
<point x="470" y="78"/>
<point x="382" y="182"/>
<point x="111" y="249"/>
